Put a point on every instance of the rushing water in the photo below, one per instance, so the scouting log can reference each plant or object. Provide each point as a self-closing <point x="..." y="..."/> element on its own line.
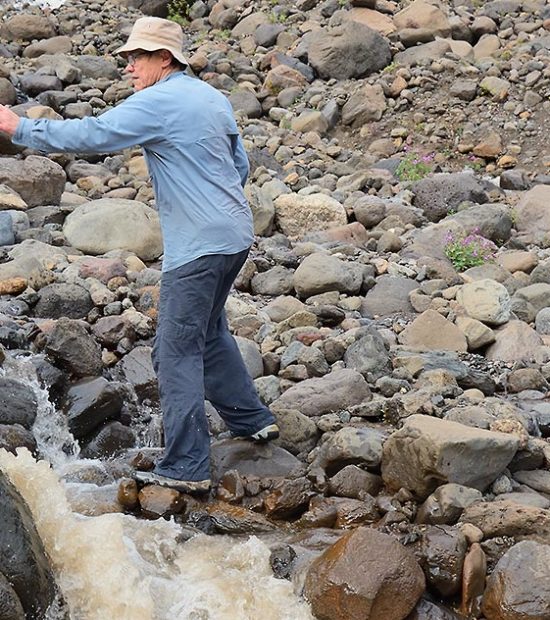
<point x="114" y="566"/>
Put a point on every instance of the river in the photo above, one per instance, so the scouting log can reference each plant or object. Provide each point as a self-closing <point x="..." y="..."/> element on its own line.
<point x="116" y="567"/>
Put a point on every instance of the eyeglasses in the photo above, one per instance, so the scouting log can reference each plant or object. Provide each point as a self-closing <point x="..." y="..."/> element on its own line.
<point x="131" y="59"/>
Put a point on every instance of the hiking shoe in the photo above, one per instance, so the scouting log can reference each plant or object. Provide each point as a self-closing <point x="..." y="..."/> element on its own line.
<point x="265" y="434"/>
<point x="183" y="486"/>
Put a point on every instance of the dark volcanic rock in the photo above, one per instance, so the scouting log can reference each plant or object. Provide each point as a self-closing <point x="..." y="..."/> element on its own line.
<point x="22" y="557"/>
<point x="18" y="404"/>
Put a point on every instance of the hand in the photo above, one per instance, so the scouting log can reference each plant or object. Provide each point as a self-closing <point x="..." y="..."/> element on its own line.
<point x="8" y="120"/>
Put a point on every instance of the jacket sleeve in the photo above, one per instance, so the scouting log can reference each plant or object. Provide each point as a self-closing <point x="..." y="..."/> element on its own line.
<point x="240" y="158"/>
<point x="129" y="124"/>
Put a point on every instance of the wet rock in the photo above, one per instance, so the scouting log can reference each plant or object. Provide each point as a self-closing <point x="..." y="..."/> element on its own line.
<point x="427" y="610"/>
<point x="473" y="580"/>
<point x="156" y="501"/>
<point x="23" y="560"/>
<point x="10" y="605"/>
<point x="247" y="458"/>
<point x="73" y="349"/>
<point x="281" y="560"/>
<point x="110" y="440"/>
<point x="446" y="503"/>
<point x="508" y="518"/>
<point x="231" y="487"/>
<point x="63" y="300"/>
<point x="13" y="436"/>
<point x="127" y="494"/>
<point x="367" y="575"/>
<point x="288" y="499"/>
<point x="440" y="552"/>
<point x="18" y="403"/>
<point x="136" y="368"/>
<point x="352" y="481"/>
<point x="519" y="586"/>
<point x="222" y="518"/>
<point x="427" y="452"/>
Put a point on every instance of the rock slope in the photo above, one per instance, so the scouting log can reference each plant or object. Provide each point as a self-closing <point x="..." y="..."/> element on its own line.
<point x="394" y="312"/>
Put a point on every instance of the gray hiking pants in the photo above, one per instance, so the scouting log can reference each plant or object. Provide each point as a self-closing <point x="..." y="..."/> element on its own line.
<point x="195" y="357"/>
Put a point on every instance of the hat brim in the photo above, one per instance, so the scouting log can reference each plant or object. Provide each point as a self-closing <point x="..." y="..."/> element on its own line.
<point x="140" y="44"/>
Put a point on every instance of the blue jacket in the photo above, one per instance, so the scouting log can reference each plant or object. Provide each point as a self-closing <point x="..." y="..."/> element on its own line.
<point x="194" y="153"/>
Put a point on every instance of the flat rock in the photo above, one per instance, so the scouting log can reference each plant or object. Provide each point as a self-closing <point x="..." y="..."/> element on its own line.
<point x="427" y="452"/>
<point x="431" y="331"/>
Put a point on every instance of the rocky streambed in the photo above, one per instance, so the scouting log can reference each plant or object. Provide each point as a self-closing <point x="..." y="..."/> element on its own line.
<point x="394" y="313"/>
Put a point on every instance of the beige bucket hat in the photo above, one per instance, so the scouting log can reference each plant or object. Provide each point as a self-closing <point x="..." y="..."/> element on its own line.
<point x="154" y="33"/>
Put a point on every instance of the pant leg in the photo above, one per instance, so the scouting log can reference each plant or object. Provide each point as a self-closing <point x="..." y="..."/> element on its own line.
<point x="186" y="301"/>
<point x="228" y="385"/>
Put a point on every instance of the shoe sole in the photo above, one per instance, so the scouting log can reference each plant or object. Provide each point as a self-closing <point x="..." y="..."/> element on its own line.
<point x="145" y="478"/>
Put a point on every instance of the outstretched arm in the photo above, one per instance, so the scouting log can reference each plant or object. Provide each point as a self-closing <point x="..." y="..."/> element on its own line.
<point x="8" y="120"/>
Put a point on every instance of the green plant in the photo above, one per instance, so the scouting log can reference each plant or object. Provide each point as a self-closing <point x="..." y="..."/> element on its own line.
<point x="178" y="11"/>
<point x="465" y="251"/>
<point x="414" y="167"/>
<point x="389" y="68"/>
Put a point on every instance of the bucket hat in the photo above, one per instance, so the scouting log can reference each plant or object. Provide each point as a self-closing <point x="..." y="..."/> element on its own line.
<point x="154" y="33"/>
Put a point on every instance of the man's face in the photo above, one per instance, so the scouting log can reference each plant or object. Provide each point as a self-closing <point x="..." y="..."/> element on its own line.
<point x="145" y="68"/>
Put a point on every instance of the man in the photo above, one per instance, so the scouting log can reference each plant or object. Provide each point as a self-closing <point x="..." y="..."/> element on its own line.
<point x="198" y="168"/>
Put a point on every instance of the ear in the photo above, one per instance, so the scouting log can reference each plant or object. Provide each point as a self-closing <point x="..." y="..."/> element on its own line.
<point x="166" y="58"/>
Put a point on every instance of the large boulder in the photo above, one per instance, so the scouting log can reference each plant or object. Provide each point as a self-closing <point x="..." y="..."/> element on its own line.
<point x="441" y="193"/>
<point x="533" y="215"/>
<point x="38" y="180"/>
<point x="433" y="332"/>
<point x="336" y="391"/>
<point x="27" y="27"/>
<point x="350" y="50"/>
<point x="74" y="349"/>
<point x="298" y="215"/>
<point x="319" y="273"/>
<point x="519" y="586"/>
<point x="427" y="452"/>
<point x="389" y="295"/>
<point x="366" y="575"/>
<point x="485" y="300"/>
<point x="23" y="559"/>
<point x="115" y="224"/>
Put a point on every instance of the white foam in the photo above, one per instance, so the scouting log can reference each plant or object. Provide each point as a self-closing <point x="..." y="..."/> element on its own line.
<point x="115" y="566"/>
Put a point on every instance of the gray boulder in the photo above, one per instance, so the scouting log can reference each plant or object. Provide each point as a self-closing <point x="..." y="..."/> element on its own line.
<point x="427" y="452"/>
<point x="350" y="50"/>
<point x="73" y="349"/>
<point x="62" y="299"/>
<point x="18" y="404"/>
<point x="107" y="224"/>
<point x="38" y="180"/>
<point x="23" y="560"/>
<point x="336" y="391"/>
<point x="441" y="193"/>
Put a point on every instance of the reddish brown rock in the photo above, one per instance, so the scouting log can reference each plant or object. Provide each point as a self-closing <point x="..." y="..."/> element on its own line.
<point x="366" y="575"/>
<point x="157" y="501"/>
<point x="13" y="286"/>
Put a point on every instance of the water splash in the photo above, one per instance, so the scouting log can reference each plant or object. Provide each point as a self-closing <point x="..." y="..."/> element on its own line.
<point x="50" y="429"/>
<point x="115" y="566"/>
